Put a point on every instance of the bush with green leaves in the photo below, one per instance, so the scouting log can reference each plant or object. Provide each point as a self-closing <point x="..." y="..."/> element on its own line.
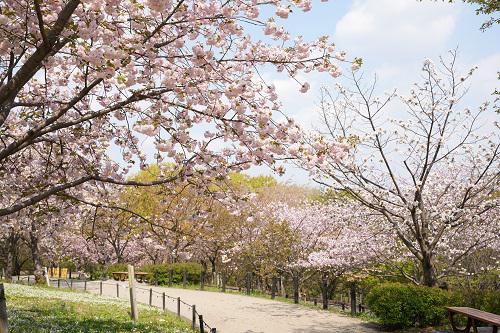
<point x="403" y="305"/>
<point x="118" y="267"/>
<point x="483" y="299"/>
<point x="160" y="273"/>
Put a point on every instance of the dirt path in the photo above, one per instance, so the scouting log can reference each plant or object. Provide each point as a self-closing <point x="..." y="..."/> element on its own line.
<point x="231" y="313"/>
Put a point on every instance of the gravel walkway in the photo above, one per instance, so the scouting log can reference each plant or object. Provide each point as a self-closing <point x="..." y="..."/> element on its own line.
<point x="231" y="313"/>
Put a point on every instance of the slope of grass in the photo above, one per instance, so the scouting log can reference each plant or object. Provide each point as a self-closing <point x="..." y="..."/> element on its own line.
<point x="40" y="309"/>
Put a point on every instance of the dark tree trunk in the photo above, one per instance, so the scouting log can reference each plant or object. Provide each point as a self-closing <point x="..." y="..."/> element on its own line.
<point x="224" y="281"/>
<point x="352" y="288"/>
<point x="4" y="327"/>
<point x="428" y="271"/>
<point x="248" y="283"/>
<point x="274" y="286"/>
<point x="212" y="262"/>
<point x="324" y="289"/>
<point x="11" y="256"/>
<point x="296" y="286"/>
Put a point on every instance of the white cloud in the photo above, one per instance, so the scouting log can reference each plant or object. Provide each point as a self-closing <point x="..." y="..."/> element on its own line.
<point x="395" y="29"/>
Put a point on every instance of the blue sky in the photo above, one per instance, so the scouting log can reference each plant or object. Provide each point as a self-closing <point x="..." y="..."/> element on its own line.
<point x="393" y="37"/>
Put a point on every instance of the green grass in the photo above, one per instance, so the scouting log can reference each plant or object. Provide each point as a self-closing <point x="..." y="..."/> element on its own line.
<point x="41" y="309"/>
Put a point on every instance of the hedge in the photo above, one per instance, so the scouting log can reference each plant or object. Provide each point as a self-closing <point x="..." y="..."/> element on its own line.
<point x="400" y="305"/>
<point x="161" y="272"/>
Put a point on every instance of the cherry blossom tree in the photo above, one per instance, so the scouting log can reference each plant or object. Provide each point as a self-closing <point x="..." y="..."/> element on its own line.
<point x="79" y="79"/>
<point x="309" y="222"/>
<point x="356" y="239"/>
<point x="430" y="170"/>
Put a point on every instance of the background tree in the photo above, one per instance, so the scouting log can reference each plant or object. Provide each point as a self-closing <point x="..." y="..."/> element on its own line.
<point x="431" y="173"/>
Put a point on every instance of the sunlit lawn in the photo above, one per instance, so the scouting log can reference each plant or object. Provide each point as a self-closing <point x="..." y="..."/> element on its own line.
<point x="36" y="309"/>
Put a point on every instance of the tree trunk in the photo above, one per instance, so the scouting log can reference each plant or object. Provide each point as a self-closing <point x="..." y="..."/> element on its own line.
<point x="353" y="298"/>
<point x="274" y="285"/>
<point x="324" y="289"/>
<point x="212" y="262"/>
<point x="224" y="281"/>
<point x="9" y="269"/>
<point x="35" y="255"/>
<point x="428" y="270"/>
<point x="248" y="282"/>
<point x="282" y="286"/>
<point x="3" y="311"/>
<point x="296" y="285"/>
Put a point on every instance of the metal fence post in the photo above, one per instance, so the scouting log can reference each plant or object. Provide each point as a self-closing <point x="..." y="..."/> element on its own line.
<point x="58" y="283"/>
<point x="85" y="285"/>
<point x="100" y="288"/>
<point x="28" y="279"/>
<point x="194" y="316"/>
<point x="71" y="283"/>
<point x="200" y="319"/>
<point x="117" y="290"/>
<point x="178" y="306"/>
<point x="150" y="296"/>
<point x="164" y="301"/>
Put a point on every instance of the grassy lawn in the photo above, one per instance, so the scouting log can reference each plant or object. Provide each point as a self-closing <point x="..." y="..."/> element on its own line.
<point x="40" y="309"/>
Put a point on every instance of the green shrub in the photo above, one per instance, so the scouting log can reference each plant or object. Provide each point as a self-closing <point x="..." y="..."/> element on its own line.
<point x="161" y="273"/>
<point x="483" y="299"/>
<point x="121" y="267"/>
<point x="401" y="305"/>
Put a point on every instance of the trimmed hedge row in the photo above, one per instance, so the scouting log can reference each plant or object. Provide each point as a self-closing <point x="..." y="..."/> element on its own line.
<point x="161" y="272"/>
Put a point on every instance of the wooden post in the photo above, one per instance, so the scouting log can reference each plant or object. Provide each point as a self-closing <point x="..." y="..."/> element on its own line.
<point x="178" y="306"/>
<point x="134" y="314"/>
<point x="194" y="317"/>
<point x="28" y="279"/>
<point x="184" y="278"/>
<point x="100" y="288"/>
<point x="58" y="283"/>
<point x="4" y="327"/>
<point x="70" y="273"/>
<point x="117" y="290"/>
<point x="200" y="319"/>
<point x="150" y="296"/>
<point x="164" y="301"/>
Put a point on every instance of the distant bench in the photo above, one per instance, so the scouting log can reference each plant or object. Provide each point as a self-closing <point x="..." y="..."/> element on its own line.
<point x="122" y="276"/>
<point x="473" y="317"/>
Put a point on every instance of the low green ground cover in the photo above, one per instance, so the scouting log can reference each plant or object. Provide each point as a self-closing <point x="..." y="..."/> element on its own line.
<point x="39" y="309"/>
